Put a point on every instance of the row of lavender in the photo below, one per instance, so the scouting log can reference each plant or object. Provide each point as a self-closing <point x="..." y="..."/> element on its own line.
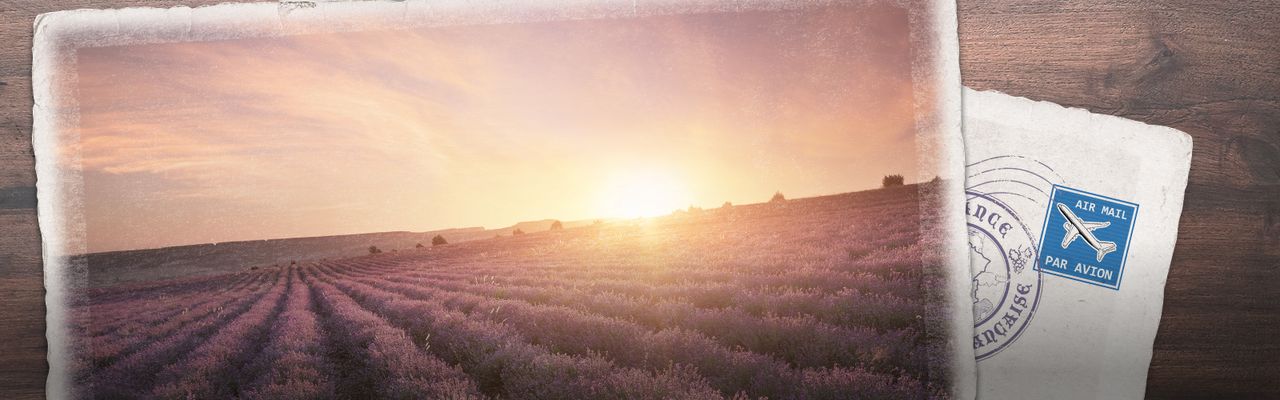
<point x="520" y="350"/>
<point x="352" y="328"/>
<point x="630" y="312"/>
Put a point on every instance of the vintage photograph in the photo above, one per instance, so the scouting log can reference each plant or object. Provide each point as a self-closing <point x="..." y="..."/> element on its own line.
<point x="677" y="202"/>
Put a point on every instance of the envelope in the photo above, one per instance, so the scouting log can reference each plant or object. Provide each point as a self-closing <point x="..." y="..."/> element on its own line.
<point x="1072" y="219"/>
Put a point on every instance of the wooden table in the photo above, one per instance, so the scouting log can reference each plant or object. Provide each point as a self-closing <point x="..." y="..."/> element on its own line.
<point x="1209" y="68"/>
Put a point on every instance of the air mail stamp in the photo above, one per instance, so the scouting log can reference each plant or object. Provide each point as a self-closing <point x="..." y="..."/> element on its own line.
<point x="1006" y="284"/>
<point x="1086" y="237"/>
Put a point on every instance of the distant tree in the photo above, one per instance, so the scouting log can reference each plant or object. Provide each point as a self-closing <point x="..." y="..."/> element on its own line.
<point x="597" y="222"/>
<point x="892" y="180"/>
<point x="374" y="250"/>
<point x="556" y="225"/>
<point x="253" y="268"/>
<point x="778" y="197"/>
<point x="694" y="210"/>
<point x="419" y="245"/>
<point x="726" y="205"/>
<point x="438" y="240"/>
<point x="517" y="232"/>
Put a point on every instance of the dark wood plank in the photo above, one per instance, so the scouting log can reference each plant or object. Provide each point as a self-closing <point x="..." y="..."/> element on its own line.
<point x="1209" y="68"/>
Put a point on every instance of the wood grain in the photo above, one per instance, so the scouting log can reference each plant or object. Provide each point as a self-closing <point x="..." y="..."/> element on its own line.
<point x="1209" y="68"/>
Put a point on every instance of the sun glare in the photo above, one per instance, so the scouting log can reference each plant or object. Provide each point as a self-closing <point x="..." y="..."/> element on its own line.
<point x="642" y="193"/>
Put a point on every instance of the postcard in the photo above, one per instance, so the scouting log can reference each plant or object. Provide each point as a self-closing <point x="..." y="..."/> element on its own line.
<point x="1072" y="219"/>
<point x="508" y="200"/>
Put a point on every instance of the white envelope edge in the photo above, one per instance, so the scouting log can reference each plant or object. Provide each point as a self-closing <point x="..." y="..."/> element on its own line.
<point x="1027" y="114"/>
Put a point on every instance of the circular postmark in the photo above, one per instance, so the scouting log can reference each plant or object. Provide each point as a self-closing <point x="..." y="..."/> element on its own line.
<point x="1006" y="283"/>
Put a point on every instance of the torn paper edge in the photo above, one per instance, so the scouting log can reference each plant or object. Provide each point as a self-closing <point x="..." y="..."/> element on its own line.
<point x="990" y="105"/>
<point x="58" y="35"/>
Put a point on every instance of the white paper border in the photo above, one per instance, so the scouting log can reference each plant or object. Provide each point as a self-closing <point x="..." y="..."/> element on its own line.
<point x="57" y="35"/>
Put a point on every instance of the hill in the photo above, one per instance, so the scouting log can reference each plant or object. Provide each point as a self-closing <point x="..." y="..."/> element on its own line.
<point x="694" y="305"/>
<point x="541" y="225"/>
<point x="109" y="268"/>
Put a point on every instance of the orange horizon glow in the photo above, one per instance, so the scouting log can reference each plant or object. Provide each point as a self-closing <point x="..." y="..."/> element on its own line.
<point x="314" y="135"/>
<point x="642" y="192"/>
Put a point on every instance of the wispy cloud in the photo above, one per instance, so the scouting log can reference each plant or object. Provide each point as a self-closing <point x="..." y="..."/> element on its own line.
<point x="483" y="125"/>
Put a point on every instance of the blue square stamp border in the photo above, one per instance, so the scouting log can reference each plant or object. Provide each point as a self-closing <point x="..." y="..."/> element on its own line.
<point x="1124" y="255"/>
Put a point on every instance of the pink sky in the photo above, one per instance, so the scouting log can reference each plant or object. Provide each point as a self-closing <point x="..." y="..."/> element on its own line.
<point x="486" y="125"/>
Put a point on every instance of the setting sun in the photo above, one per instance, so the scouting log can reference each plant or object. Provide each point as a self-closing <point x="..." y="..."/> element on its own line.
<point x="515" y="201"/>
<point x="642" y="193"/>
<point x="431" y="129"/>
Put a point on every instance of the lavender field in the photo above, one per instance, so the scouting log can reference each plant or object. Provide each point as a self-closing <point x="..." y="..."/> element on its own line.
<point x="815" y="298"/>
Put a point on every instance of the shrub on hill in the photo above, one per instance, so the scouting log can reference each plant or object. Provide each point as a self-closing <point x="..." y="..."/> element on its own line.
<point x="517" y="232"/>
<point x="438" y="240"/>
<point x="778" y="197"/>
<point x="892" y="180"/>
<point x="555" y="226"/>
<point x="374" y="250"/>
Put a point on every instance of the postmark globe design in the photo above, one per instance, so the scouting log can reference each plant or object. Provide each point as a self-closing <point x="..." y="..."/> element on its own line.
<point x="1005" y="282"/>
<point x="990" y="271"/>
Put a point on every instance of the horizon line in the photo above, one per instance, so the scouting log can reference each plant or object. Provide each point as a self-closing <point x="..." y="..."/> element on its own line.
<point x="479" y="227"/>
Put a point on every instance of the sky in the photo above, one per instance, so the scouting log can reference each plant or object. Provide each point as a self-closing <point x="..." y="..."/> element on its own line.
<point x="488" y="125"/>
